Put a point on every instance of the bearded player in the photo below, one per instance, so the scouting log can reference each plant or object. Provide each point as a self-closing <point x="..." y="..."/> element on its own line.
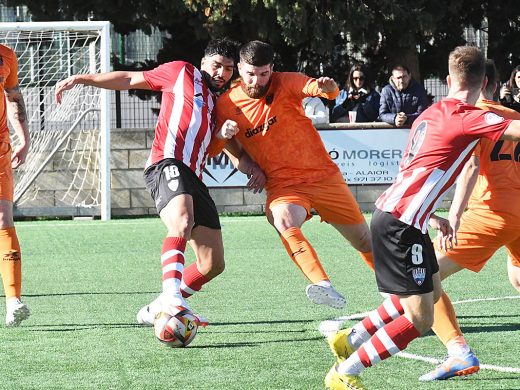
<point x="265" y="110"/>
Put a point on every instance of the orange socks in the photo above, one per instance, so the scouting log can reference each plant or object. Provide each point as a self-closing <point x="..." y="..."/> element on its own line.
<point x="368" y="258"/>
<point x="11" y="263"/>
<point x="445" y="323"/>
<point x="303" y="255"/>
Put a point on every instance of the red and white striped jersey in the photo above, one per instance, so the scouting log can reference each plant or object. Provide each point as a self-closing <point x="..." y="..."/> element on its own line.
<point x="441" y="140"/>
<point x="186" y="119"/>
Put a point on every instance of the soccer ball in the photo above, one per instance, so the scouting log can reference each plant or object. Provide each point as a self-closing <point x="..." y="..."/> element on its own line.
<point x="176" y="331"/>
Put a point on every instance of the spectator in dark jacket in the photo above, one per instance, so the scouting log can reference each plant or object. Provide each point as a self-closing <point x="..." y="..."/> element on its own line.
<point x="403" y="99"/>
<point x="359" y="96"/>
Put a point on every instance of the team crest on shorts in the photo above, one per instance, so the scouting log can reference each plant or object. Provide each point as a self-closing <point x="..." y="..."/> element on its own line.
<point x="173" y="184"/>
<point x="419" y="274"/>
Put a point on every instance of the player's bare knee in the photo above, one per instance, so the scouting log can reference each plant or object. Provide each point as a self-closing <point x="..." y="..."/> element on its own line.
<point x="362" y="242"/>
<point x="181" y="226"/>
<point x="365" y="244"/>
<point x="423" y="322"/>
<point x="211" y="269"/>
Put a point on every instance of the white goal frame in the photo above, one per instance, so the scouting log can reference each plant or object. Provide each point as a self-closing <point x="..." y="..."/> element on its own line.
<point x="104" y="31"/>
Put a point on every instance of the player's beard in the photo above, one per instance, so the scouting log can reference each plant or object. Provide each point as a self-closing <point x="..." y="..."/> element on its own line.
<point x="255" y="91"/>
<point x="212" y="83"/>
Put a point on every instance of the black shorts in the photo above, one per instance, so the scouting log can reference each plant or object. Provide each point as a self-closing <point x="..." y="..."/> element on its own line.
<point x="404" y="258"/>
<point x="169" y="178"/>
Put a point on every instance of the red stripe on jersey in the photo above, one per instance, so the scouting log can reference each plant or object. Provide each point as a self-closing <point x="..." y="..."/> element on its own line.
<point x="187" y="112"/>
<point x="201" y="135"/>
<point x="422" y="219"/>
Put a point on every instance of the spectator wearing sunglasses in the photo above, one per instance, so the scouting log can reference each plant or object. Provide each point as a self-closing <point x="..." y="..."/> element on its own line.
<point x="357" y="96"/>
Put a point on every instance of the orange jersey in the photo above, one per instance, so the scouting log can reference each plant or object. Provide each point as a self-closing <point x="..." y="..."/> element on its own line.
<point x="275" y="131"/>
<point x="498" y="183"/>
<point x="8" y="79"/>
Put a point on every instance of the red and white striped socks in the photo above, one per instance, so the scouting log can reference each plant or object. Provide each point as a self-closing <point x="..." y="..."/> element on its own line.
<point x="383" y="333"/>
<point x="192" y="280"/>
<point x="389" y="310"/>
<point x="172" y="260"/>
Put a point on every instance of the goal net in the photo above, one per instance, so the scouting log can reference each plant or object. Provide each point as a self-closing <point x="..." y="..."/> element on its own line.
<point x="67" y="169"/>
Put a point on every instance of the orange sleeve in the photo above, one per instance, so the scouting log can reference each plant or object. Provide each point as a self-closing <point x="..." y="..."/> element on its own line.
<point x="215" y="146"/>
<point x="12" y="79"/>
<point x="311" y="89"/>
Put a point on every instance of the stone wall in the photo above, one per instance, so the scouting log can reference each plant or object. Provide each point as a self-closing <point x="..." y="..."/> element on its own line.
<point x="129" y="151"/>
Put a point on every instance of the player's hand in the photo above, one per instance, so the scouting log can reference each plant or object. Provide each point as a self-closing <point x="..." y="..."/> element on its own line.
<point x="228" y="130"/>
<point x="256" y="176"/>
<point x="257" y="179"/>
<point x="19" y="155"/>
<point x="326" y="84"/>
<point x="64" y="85"/>
<point x="447" y="231"/>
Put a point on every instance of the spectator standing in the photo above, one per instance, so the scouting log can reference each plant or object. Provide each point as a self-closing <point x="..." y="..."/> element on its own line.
<point x="403" y="99"/>
<point x="357" y="96"/>
<point x="510" y="92"/>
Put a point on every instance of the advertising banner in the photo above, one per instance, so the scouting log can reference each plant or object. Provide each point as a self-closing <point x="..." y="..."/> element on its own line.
<point x="363" y="156"/>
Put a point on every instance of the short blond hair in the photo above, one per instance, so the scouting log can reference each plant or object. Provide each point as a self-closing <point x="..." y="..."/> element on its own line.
<point x="467" y="65"/>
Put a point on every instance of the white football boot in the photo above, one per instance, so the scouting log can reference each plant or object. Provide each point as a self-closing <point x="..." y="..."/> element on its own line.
<point x="325" y="295"/>
<point x="146" y="315"/>
<point x="168" y="303"/>
<point x="16" y="312"/>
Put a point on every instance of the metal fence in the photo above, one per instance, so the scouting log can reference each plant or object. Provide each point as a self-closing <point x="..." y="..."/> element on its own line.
<point x="128" y="111"/>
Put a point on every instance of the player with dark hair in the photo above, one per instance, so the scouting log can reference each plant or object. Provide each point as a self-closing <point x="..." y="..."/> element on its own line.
<point x="441" y="141"/>
<point x="274" y="130"/>
<point x="12" y="107"/>
<point x="173" y="171"/>
<point x="491" y="221"/>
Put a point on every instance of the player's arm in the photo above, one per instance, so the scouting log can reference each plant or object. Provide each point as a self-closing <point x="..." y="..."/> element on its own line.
<point x="245" y="164"/>
<point x="17" y="115"/>
<point x="119" y="80"/>
<point x="303" y="85"/>
<point x="225" y="132"/>
<point x="328" y="87"/>
<point x="512" y="132"/>
<point x="465" y="183"/>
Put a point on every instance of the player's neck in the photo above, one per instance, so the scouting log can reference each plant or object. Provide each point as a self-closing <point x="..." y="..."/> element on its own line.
<point x="469" y="97"/>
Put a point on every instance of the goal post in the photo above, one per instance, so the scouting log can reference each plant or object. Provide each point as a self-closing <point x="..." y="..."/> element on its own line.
<point x="68" y="165"/>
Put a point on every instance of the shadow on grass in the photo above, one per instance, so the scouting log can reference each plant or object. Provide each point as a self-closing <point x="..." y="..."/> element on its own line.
<point x="242" y="344"/>
<point x="490" y="328"/>
<point x="220" y="325"/>
<point x="76" y="327"/>
<point x="92" y="293"/>
<point x="481" y="328"/>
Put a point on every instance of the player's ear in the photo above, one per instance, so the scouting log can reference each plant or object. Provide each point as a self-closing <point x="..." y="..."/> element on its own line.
<point x="484" y="83"/>
<point x="448" y="81"/>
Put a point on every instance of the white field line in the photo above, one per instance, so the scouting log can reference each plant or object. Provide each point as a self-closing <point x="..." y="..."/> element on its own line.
<point x="141" y="221"/>
<point x="329" y="326"/>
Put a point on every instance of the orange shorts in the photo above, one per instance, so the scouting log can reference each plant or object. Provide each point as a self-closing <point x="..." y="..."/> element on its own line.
<point x="6" y="172"/>
<point x="481" y="234"/>
<point x="330" y="197"/>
